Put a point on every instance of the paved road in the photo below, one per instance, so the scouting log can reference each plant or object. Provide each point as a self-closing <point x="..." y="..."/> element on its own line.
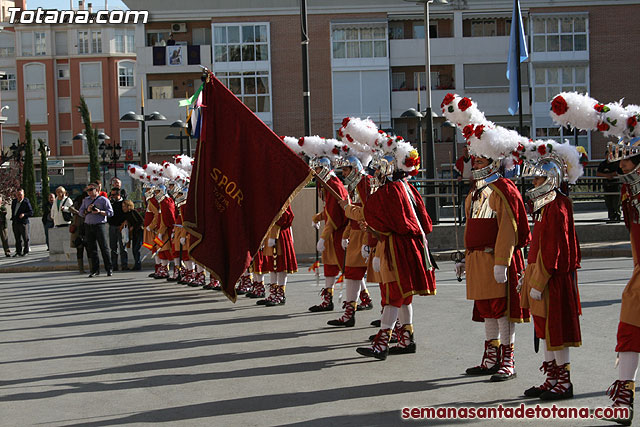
<point x="129" y="350"/>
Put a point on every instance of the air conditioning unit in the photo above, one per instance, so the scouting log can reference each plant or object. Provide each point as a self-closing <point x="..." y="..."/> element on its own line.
<point x="179" y="27"/>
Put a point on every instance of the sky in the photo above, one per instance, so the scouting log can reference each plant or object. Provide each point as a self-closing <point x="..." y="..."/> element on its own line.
<point x="64" y="4"/>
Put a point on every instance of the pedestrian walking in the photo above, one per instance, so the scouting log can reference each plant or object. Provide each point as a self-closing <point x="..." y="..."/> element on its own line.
<point x="115" y="231"/>
<point x="95" y="209"/>
<point x="21" y="211"/>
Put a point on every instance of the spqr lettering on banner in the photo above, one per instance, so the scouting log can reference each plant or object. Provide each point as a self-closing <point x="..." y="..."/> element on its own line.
<point x="224" y="185"/>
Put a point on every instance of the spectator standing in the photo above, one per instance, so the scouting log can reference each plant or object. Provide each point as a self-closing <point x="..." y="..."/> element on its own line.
<point x="116" y="183"/>
<point x="4" y="235"/>
<point x="609" y="171"/>
<point x="95" y="209"/>
<point x="60" y="213"/>
<point x="134" y="221"/>
<point x="77" y="233"/>
<point x="47" y="221"/>
<point x="171" y="41"/>
<point x="21" y="210"/>
<point x="115" y="231"/>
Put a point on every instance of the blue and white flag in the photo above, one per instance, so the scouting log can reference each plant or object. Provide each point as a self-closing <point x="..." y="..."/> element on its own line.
<point x="517" y="36"/>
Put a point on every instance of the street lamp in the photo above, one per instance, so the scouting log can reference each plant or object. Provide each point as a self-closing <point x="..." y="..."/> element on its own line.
<point x="412" y="113"/>
<point x="17" y="152"/>
<point x="103" y="153"/>
<point x="131" y="116"/>
<point x="182" y="125"/>
<point x="431" y="202"/>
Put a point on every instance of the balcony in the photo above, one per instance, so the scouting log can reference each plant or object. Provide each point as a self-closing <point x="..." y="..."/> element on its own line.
<point x="144" y="61"/>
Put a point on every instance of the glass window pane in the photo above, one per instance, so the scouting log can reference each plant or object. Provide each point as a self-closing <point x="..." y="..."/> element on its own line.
<point x="247" y="34"/>
<point x="539" y="43"/>
<point x="567" y="76"/>
<point x="552" y="91"/>
<point x="234" y="53"/>
<point x="580" y="42"/>
<point x="233" y="34"/>
<point x="250" y="101"/>
<point x="541" y="132"/>
<point x="220" y="53"/>
<point x="552" y="25"/>
<point x="338" y="35"/>
<point x="262" y="52"/>
<point x="234" y="85"/>
<point x="538" y="26"/>
<point x="490" y="28"/>
<point x="339" y="50"/>
<point x="261" y="33"/>
<point x="581" y="89"/>
<point x="567" y="43"/>
<point x="541" y="94"/>
<point x="476" y="29"/>
<point x="366" y="33"/>
<point x="249" y="85"/>
<point x="554" y="131"/>
<point x="220" y="34"/>
<point x="566" y="25"/>
<point x="378" y="33"/>
<point x="418" y="31"/>
<point x="581" y="75"/>
<point x="539" y="76"/>
<point x="552" y="76"/>
<point x="380" y="49"/>
<point x="579" y="25"/>
<point x="366" y="49"/>
<point x="247" y="53"/>
<point x="263" y="104"/>
<point x="353" y="49"/>
<point x="553" y="44"/>
<point x="352" y="34"/>
<point x="263" y="85"/>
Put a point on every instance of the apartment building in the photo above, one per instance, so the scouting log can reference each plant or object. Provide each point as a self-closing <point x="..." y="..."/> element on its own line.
<point x="367" y="59"/>
<point x="48" y="67"/>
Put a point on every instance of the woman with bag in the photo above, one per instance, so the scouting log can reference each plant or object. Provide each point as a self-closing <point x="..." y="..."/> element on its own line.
<point x="60" y="213"/>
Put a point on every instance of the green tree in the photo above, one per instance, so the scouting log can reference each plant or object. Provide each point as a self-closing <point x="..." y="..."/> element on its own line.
<point x="92" y="142"/>
<point x="28" y="171"/>
<point x="44" y="171"/>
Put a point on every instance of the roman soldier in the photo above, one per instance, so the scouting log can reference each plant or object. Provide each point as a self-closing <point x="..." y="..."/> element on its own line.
<point x="496" y="230"/>
<point x="550" y="288"/>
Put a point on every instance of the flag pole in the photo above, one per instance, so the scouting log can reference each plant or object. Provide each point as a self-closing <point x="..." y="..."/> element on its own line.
<point x="518" y="76"/>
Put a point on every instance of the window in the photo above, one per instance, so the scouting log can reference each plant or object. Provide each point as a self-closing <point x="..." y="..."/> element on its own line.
<point x="201" y="36"/>
<point x="64" y="105"/>
<point x="27" y="43"/>
<point x="251" y="87"/>
<point x="161" y="89"/>
<point x="34" y="77"/>
<point x="63" y="71"/>
<point x="61" y="43"/>
<point x="66" y="138"/>
<point x="561" y="134"/>
<point x="129" y="141"/>
<point x="7" y="44"/>
<point x="365" y="42"/>
<point x="130" y="41"/>
<point x="8" y="82"/>
<point x="420" y="79"/>
<point x="83" y="41"/>
<point x="398" y="81"/>
<point x="96" y="41"/>
<point x="551" y="81"/>
<point x="6" y="52"/>
<point x="235" y="43"/>
<point x="396" y="30"/>
<point x="490" y="76"/>
<point x="566" y="34"/>
<point x="157" y="38"/>
<point x="41" y="43"/>
<point x="124" y="41"/>
<point x="125" y="74"/>
<point x="90" y="75"/>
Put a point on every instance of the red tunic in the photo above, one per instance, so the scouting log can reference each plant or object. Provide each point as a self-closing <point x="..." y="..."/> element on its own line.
<point x="336" y="220"/>
<point x="285" y="254"/>
<point x="389" y="212"/>
<point x="167" y="220"/>
<point x="355" y="264"/>
<point x="556" y="246"/>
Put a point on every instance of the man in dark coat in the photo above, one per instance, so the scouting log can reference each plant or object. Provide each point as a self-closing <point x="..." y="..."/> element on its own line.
<point x="21" y="210"/>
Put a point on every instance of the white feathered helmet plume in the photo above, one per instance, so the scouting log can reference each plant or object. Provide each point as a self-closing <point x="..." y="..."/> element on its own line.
<point x="184" y="162"/>
<point x="292" y="143"/>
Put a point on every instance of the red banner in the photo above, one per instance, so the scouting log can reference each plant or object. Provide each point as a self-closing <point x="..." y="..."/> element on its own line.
<point x="243" y="177"/>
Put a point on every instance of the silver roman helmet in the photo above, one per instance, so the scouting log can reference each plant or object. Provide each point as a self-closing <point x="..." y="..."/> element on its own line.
<point x="181" y="196"/>
<point x="487" y="173"/>
<point x="325" y="164"/>
<point x="552" y="168"/>
<point x="357" y="171"/>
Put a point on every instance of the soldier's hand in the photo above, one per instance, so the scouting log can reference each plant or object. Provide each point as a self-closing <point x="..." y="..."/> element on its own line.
<point x="535" y="294"/>
<point x="500" y="273"/>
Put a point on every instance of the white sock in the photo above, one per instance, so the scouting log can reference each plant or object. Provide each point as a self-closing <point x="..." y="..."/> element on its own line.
<point x="282" y="278"/>
<point x="258" y="277"/>
<point x="353" y="287"/>
<point x="507" y="331"/>
<point x="491" y="330"/>
<point x="406" y="314"/>
<point x="157" y="258"/>
<point x="176" y="262"/>
<point x="389" y="316"/>
<point x="628" y="366"/>
<point x="273" y="277"/>
<point x="562" y="356"/>
<point x="188" y="265"/>
<point x="199" y="268"/>
<point x="363" y="285"/>
<point x="330" y="281"/>
<point x="164" y="262"/>
<point x="548" y="354"/>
